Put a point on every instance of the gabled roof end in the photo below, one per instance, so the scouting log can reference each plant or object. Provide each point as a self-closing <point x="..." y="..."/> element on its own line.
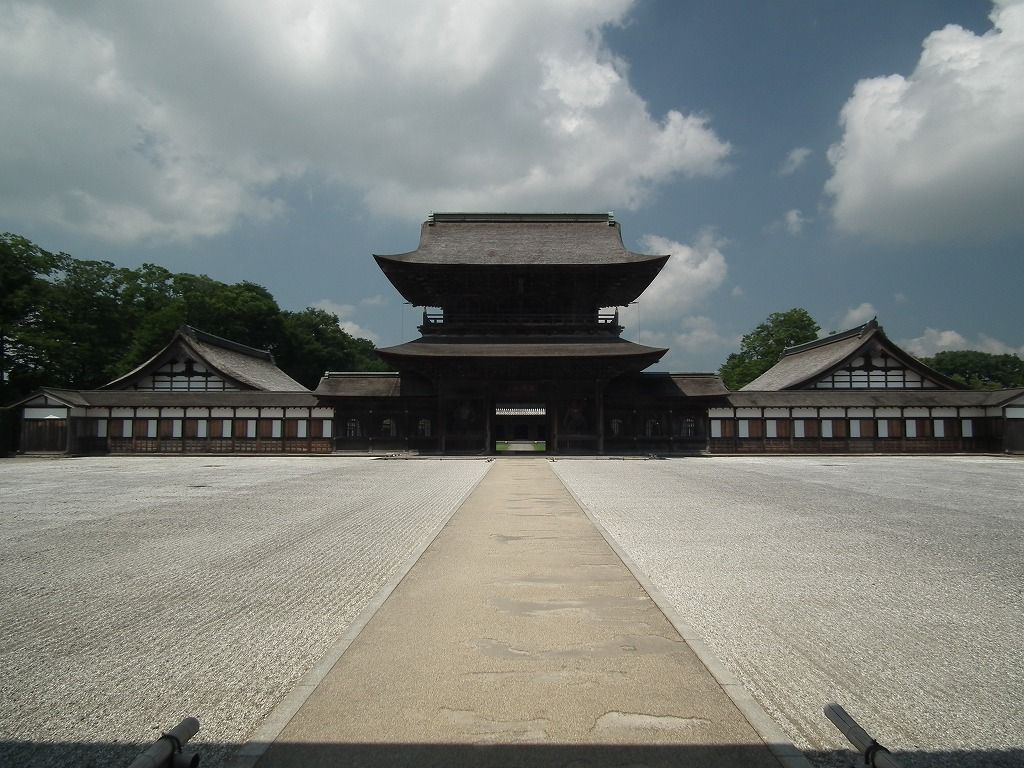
<point x="218" y="341"/>
<point x="859" y="331"/>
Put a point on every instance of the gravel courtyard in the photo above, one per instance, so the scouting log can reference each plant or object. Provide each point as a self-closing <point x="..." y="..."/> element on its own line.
<point x="139" y="590"/>
<point x="894" y="586"/>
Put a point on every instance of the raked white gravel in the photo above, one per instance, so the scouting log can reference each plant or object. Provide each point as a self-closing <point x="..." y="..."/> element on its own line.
<point x="137" y="591"/>
<point x="893" y="585"/>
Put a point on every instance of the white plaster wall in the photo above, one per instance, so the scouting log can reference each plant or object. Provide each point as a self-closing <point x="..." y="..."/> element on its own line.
<point x="46" y="413"/>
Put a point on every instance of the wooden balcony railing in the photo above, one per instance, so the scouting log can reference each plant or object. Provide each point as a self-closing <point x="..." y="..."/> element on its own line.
<point x="529" y="322"/>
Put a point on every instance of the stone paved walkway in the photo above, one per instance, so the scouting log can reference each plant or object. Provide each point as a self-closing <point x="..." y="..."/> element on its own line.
<point x="519" y="638"/>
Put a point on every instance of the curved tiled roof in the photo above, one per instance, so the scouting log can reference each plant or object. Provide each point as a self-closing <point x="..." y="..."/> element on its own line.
<point x="146" y="398"/>
<point x="658" y="384"/>
<point x="249" y="367"/>
<point x="863" y="398"/>
<point x="801" y="365"/>
<point x="477" y="347"/>
<point x="804" y="364"/>
<point x="371" y="384"/>
<point x="520" y="239"/>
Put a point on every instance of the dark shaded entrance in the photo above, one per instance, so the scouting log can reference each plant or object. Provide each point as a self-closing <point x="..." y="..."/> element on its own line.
<point x="1013" y="436"/>
<point x="520" y="428"/>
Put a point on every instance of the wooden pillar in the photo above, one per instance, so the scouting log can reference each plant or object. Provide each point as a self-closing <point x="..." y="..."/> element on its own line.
<point x="488" y="417"/>
<point x="442" y="427"/>
<point x="552" y="404"/>
<point x="599" y="403"/>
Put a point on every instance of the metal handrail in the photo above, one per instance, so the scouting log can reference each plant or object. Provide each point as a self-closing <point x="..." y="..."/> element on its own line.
<point x="166" y="751"/>
<point x="874" y="753"/>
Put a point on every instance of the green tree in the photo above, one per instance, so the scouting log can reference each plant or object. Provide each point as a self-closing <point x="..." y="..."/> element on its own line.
<point x="84" y="327"/>
<point x="75" y="323"/>
<point x="763" y="347"/>
<point x="979" y="370"/>
<point x="314" y="342"/>
<point x="24" y="287"/>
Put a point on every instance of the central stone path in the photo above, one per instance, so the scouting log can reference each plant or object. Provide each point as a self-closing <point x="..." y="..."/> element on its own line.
<point x="518" y="638"/>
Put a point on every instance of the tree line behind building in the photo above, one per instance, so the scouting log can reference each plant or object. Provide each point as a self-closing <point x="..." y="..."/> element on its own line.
<point x="79" y="324"/>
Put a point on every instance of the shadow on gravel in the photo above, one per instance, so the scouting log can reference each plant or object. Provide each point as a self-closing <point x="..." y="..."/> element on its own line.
<point x="283" y="755"/>
<point x="968" y="758"/>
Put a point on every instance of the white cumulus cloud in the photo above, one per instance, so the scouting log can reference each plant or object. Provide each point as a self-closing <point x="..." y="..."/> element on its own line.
<point x="700" y="334"/>
<point x="168" y="121"/>
<point x="858" y="315"/>
<point x="794" y="221"/>
<point x="691" y="274"/>
<point x="692" y="338"/>
<point x="934" y="340"/>
<point x="794" y="161"/>
<point x="937" y="154"/>
<point x="345" y="313"/>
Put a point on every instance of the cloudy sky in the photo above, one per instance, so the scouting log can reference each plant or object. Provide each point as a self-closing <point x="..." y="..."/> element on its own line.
<point x="853" y="158"/>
